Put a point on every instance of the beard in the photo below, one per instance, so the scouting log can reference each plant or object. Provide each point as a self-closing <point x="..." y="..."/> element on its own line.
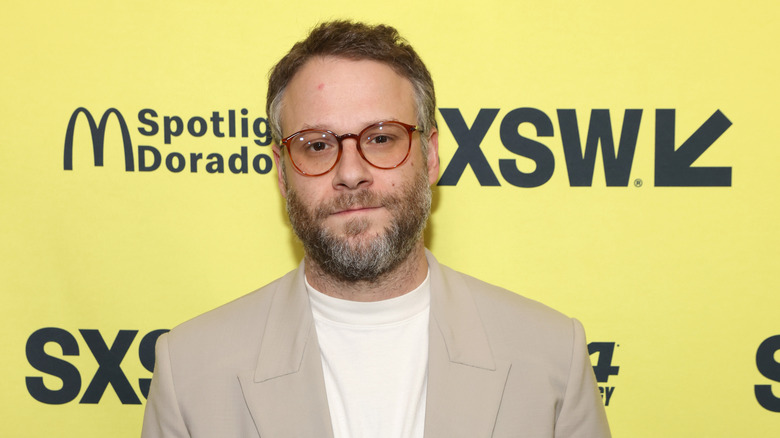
<point x="356" y="256"/>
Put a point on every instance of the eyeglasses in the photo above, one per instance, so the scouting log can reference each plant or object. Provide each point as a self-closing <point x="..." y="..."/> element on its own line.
<point x="384" y="145"/>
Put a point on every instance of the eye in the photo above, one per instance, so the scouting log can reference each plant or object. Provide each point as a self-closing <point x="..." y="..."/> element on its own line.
<point x="385" y="137"/>
<point x="381" y="138"/>
<point x="315" y="142"/>
<point x="317" y="146"/>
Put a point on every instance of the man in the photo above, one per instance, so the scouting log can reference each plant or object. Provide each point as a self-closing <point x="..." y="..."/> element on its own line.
<point x="370" y="336"/>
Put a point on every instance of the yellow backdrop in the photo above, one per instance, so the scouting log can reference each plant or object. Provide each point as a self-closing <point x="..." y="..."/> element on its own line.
<point x="666" y="251"/>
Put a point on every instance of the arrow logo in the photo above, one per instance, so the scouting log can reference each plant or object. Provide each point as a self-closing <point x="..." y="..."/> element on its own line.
<point x="673" y="166"/>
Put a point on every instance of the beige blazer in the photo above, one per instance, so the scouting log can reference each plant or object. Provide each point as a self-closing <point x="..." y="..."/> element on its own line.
<point x="499" y="365"/>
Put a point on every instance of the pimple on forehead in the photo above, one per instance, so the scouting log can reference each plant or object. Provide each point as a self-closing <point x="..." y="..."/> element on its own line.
<point x="320" y="86"/>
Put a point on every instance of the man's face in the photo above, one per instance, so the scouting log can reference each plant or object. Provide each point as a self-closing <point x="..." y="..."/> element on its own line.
<point x="356" y="221"/>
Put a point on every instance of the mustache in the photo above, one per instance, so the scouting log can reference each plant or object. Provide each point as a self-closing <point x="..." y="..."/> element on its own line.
<point x="362" y="198"/>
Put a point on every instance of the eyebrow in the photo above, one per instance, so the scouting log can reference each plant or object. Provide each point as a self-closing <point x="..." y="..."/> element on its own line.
<point x="326" y="128"/>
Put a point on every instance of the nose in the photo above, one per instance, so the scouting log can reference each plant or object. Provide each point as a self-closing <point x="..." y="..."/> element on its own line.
<point x="352" y="171"/>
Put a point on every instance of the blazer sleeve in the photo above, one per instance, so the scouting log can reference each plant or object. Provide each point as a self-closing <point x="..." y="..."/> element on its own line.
<point x="582" y="412"/>
<point x="162" y="418"/>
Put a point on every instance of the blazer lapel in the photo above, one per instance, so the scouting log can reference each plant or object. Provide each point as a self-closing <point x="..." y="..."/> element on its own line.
<point x="286" y="396"/>
<point x="465" y="381"/>
<point x="285" y="393"/>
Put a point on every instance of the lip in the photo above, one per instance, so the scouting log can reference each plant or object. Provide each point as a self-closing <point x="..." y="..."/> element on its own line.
<point x="352" y="210"/>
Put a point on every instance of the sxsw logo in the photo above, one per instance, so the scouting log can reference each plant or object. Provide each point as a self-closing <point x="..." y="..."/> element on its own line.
<point x="673" y="164"/>
<point x="108" y="358"/>
<point x="151" y="158"/>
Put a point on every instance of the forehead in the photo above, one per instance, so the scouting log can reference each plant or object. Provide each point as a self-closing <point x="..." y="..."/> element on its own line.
<point x="345" y="95"/>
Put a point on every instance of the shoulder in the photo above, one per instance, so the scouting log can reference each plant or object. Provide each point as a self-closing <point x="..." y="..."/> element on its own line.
<point x="550" y="371"/>
<point x="516" y="328"/>
<point x="544" y="347"/>
<point x="510" y="309"/>
<point x="224" y="330"/>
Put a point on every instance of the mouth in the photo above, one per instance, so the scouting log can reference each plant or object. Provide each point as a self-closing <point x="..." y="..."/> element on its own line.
<point x="354" y="210"/>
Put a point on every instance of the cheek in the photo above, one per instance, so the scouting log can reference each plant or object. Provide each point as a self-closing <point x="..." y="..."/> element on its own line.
<point x="311" y="191"/>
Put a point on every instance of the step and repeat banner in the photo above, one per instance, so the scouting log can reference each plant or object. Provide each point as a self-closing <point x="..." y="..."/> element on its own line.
<point x="614" y="160"/>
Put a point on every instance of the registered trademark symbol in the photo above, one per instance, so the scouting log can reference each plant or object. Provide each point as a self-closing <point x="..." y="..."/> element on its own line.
<point x="638" y="182"/>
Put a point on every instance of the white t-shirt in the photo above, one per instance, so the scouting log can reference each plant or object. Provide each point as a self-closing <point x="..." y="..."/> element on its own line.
<point x="375" y="362"/>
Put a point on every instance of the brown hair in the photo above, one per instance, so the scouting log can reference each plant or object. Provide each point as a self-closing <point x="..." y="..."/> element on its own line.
<point x="357" y="41"/>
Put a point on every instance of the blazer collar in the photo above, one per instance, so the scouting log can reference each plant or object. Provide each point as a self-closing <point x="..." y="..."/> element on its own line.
<point x="465" y="380"/>
<point x="285" y="393"/>
<point x="455" y="315"/>
<point x="290" y="325"/>
<point x="288" y="329"/>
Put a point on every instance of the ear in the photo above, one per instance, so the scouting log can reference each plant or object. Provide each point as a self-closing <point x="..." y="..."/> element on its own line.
<point x="279" y="170"/>
<point x="433" y="156"/>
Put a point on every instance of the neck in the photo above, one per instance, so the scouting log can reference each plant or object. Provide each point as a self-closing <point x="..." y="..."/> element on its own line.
<point x="409" y="274"/>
